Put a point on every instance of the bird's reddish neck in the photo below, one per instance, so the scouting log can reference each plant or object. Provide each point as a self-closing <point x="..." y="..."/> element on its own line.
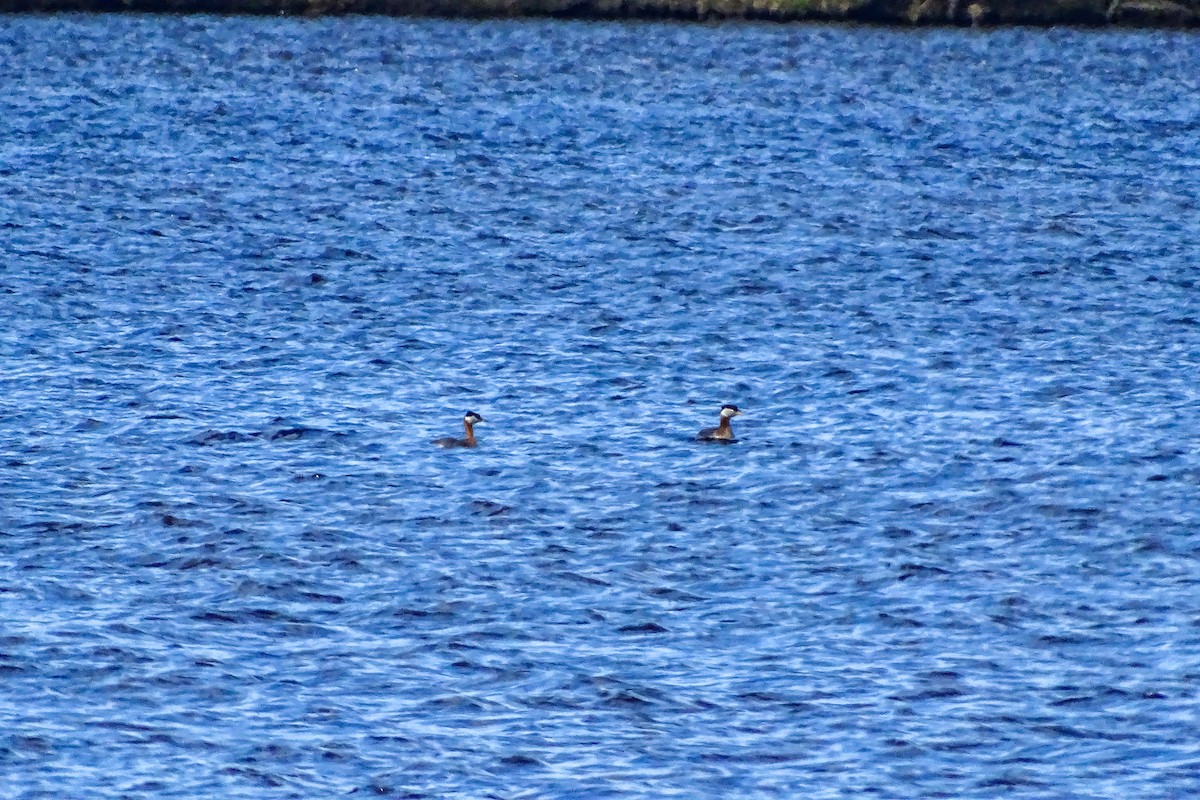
<point x="470" y="429"/>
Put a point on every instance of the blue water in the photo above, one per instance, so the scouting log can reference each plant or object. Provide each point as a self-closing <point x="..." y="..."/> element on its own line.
<point x="249" y="268"/>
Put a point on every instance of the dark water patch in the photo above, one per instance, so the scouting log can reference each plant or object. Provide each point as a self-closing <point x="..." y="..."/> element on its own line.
<point x="219" y="437"/>
<point x="643" y="627"/>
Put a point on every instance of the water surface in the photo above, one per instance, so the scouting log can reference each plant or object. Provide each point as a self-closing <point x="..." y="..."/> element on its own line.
<point x="250" y="267"/>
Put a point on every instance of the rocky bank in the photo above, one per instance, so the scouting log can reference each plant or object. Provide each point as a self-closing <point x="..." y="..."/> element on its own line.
<point x="1140" y="13"/>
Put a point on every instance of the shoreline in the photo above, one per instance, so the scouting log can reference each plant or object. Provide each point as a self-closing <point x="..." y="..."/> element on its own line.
<point x="1164" y="14"/>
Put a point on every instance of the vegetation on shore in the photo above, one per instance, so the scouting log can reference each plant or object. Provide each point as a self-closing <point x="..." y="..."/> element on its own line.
<point x="1144" y="13"/>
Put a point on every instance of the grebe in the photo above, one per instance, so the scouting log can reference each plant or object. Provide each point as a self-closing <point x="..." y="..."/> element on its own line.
<point x="470" y="420"/>
<point x="721" y="433"/>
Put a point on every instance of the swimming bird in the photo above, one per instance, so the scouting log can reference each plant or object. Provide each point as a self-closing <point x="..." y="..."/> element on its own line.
<point x="721" y="433"/>
<point x="470" y="420"/>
